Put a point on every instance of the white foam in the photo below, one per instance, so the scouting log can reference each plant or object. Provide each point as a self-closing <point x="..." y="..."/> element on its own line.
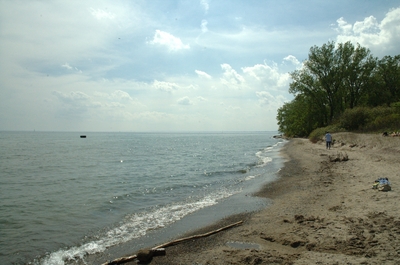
<point x="249" y="178"/>
<point x="262" y="158"/>
<point x="135" y="226"/>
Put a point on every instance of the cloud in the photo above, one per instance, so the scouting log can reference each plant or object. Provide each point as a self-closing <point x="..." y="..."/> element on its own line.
<point x="343" y="27"/>
<point x="292" y="59"/>
<point x="184" y="101"/>
<point x="203" y="74"/>
<point x="121" y="95"/>
<point x="39" y="37"/>
<point x="267" y="99"/>
<point x="269" y="76"/>
<point x="381" y="37"/>
<point x="124" y="74"/>
<point x="205" y="5"/>
<point x="230" y="77"/>
<point x="74" y="104"/>
<point x="73" y="98"/>
<point x="368" y="26"/>
<point x="69" y="67"/>
<point x="204" y="26"/>
<point x="101" y="14"/>
<point x="166" y="39"/>
<point x="154" y="116"/>
<point x="165" y="86"/>
<point x="66" y="65"/>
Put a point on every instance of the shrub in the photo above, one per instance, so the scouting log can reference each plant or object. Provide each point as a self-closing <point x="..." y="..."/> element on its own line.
<point x="319" y="133"/>
<point x="354" y="119"/>
<point x="390" y="122"/>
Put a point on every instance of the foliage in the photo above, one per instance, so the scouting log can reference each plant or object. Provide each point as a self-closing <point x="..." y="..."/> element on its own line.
<point x="319" y="133"/>
<point x="384" y="123"/>
<point x="382" y="119"/>
<point x="354" y="119"/>
<point x="386" y="82"/>
<point x="299" y="117"/>
<point x="341" y="84"/>
<point x="371" y="119"/>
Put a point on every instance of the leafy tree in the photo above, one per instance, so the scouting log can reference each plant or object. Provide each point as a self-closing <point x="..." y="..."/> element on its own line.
<point x="320" y="78"/>
<point x="299" y="117"/>
<point x="340" y="76"/>
<point x="387" y="82"/>
<point x="333" y="78"/>
<point x="358" y="70"/>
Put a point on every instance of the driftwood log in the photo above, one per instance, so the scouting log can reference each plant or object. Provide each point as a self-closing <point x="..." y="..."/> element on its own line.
<point x="339" y="157"/>
<point x="159" y="250"/>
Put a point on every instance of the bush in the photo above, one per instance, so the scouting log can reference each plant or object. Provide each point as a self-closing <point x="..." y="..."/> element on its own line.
<point x="319" y="133"/>
<point x="390" y="122"/>
<point x="354" y="119"/>
<point x="380" y="112"/>
<point x="376" y="119"/>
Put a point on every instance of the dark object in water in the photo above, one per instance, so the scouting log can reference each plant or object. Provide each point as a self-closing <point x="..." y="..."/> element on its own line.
<point x="83" y="136"/>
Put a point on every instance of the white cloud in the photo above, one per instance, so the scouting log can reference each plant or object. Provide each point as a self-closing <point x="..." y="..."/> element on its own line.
<point x="101" y="14"/>
<point x="74" y="104"/>
<point x="171" y="42"/>
<point x="121" y="95"/>
<point x="203" y="74"/>
<point x="69" y="67"/>
<point x="66" y="65"/>
<point x="165" y="86"/>
<point x="154" y="116"/>
<point x="368" y="26"/>
<point x="269" y="76"/>
<point x="292" y="59"/>
<point x="267" y="99"/>
<point x="230" y="77"/>
<point x="184" y="101"/>
<point x="205" y="5"/>
<point x="381" y="37"/>
<point x="204" y="26"/>
<point x="123" y="77"/>
<point x="73" y="98"/>
<point x="344" y="27"/>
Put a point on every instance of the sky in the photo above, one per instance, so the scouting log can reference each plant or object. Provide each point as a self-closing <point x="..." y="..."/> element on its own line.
<point x="169" y="65"/>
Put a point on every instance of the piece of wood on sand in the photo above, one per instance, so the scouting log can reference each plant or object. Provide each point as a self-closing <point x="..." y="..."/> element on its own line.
<point x="146" y="255"/>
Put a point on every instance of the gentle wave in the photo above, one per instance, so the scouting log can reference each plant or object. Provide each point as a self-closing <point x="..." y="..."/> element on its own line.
<point x="135" y="226"/>
<point x="88" y="190"/>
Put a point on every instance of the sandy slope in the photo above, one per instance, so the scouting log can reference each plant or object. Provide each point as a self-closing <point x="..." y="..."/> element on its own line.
<point x="323" y="212"/>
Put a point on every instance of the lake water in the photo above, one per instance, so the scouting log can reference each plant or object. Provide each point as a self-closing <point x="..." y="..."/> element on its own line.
<point x="64" y="198"/>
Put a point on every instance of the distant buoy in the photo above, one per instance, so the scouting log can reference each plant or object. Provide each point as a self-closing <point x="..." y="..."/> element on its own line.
<point x="83" y="136"/>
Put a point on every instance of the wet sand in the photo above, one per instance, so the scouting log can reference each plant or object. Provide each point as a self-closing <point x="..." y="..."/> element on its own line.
<point x="323" y="212"/>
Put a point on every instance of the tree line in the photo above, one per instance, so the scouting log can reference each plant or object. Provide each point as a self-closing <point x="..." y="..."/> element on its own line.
<point x="337" y="79"/>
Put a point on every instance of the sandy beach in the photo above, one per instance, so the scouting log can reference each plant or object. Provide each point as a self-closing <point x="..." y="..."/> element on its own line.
<point x="323" y="212"/>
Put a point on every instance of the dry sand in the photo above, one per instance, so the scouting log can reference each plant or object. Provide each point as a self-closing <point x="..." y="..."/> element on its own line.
<point x="323" y="212"/>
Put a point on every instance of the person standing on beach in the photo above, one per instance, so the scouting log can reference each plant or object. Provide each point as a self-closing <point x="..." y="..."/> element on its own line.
<point x="328" y="139"/>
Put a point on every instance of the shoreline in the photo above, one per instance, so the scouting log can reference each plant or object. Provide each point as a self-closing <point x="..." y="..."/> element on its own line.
<point x="258" y="172"/>
<point x="322" y="212"/>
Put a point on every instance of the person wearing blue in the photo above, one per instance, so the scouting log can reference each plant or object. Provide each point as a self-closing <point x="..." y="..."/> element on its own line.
<point x="328" y="140"/>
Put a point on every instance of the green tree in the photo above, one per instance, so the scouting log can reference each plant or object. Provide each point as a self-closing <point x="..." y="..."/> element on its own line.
<point x="333" y="78"/>
<point x="358" y="73"/>
<point x="320" y="78"/>
<point x="300" y="117"/>
<point x="387" y="82"/>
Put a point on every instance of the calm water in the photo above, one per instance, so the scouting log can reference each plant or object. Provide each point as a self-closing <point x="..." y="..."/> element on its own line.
<point x="63" y="197"/>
